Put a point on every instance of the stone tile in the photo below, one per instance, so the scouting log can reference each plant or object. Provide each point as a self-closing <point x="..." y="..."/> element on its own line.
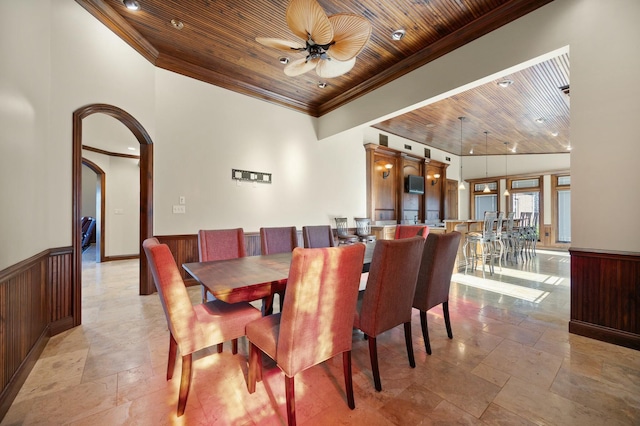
<point x="536" y="367"/>
<point x="545" y="407"/>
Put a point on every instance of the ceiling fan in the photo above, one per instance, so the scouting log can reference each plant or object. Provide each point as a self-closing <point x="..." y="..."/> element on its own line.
<point x="331" y="42"/>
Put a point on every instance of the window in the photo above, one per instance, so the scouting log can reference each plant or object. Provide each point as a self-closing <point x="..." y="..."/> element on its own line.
<point x="484" y="201"/>
<point x="562" y="209"/>
<point x="525" y="197"/>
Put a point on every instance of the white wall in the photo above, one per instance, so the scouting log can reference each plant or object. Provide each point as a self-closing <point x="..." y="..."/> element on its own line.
<point x="122" y="202"/>
<point x="205" y="131"/>
<point x="25" y="85"/>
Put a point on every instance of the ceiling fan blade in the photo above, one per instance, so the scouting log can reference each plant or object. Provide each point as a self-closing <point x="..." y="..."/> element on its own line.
<point x="307" y="19"/>
<point x="280" y="44"/>
<point x="329" y="68"/>
<point x="350" y="33"/>
<point x="300" y="66"/>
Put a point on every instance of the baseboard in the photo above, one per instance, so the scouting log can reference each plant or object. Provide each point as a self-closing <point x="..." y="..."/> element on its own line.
<point x="10" y="391"/>
<point x="605" y="334"/>
<point x="57" y="327"/>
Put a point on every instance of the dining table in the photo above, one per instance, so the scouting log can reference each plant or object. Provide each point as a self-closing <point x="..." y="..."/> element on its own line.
<point x="250" y="278"/>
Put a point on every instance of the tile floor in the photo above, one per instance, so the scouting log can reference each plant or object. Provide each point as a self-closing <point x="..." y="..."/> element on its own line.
<point x="511" y="362"/>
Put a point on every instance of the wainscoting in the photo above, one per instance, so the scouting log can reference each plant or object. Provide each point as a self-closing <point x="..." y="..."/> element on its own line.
<point x="605" y="296"/>
<point x="35" y="303"/>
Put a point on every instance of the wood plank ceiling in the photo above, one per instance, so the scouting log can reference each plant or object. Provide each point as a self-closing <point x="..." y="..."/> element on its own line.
<point x="216" y="44"/>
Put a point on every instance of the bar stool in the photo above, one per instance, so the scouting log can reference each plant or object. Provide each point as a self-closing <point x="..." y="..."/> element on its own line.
<point x="485" y="242"/>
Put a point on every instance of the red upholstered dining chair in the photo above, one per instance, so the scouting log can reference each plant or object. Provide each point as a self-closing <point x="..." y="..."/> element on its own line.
<point x="191" y="328"/>
<point x="434" y="279"/>
<point x="318" y="236"/>
<point x="316" y="322"/>
<point x="220" y="244"/>
<point x="408" y="231"/>
<point x="386" y="301"/>
<point x="274" y="241"/>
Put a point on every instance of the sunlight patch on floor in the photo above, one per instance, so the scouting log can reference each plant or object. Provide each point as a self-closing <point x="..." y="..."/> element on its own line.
<point x="531" y="276"/>
<point x="519" y="292"/>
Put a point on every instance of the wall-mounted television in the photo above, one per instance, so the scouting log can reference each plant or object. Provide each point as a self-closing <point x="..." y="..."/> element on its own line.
<point x="414" y="184"/>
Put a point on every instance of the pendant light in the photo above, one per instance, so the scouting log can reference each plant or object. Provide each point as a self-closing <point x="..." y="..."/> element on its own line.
<point x="506" y="170"/>
<point x="461" y="186"/>
<point x="486" y="162"/>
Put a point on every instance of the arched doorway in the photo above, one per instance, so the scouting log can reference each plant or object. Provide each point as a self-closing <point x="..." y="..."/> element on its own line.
<point x="146" y="194"/>
<point x="100" y="175"/>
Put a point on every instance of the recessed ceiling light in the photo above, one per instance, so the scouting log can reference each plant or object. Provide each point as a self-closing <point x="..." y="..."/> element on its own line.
<point x="471" y="151"/>
<point x="398" y="34"/>
<point x="130" y="148"/>
<point x="505" y="83"/>
<point x="132" y="4"/>
<point x="283" y="60"/>
<point x="569" y="148"/>
<point x="322" y="84"/>
<point x="513" y="149"/>
<point x="554" y="134"/>
<point x="430" y="125"/>
<point x="540" y="120"/>
<point x="177" y="24"/>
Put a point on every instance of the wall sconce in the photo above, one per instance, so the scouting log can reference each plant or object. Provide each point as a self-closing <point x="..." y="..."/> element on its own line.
<point x="435" y="180"/>
<point x="387" y="170"/>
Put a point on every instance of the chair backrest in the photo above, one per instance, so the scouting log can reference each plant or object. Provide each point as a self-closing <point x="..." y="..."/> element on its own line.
<point x="317" y="318"/>
<point x="318" y="236"/>
<point x="488" y="225"/>
<point x="363" y="226"/>
<point x="525" y="219"/>
<point x="499" y="221"/>
<point x="342" y="226"/>
<point x="509" y="225"/>
<point x="181" y="317"/>
<point x="436" y="267"/>
<point x="391" y="284"/>
<point x="409" y="231"/>
<point x="221" y="244"/>
<point x="278" y="240"/>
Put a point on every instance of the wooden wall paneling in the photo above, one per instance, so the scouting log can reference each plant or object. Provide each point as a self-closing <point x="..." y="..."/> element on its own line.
<point x="385" y="191"/>
<point x="60" y="283"/>
<point x="451" y="200"/>
<point x="24" y="328"/>
<point x="605" y="296"/>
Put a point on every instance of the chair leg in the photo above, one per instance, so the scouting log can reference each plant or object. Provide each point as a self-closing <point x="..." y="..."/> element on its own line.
<point x="409" y="343"/>
<point x="185" y="383"/>
<point x="425" y="331"/>
<point x="373" y="355"/>
<point x="291" y="400"/>
<point x="173" y="350"/>
<point x="234" y="346"/>
<point x="447" y="320"/>
<point x="348" y="380"/>
<point x="255" y="367"/>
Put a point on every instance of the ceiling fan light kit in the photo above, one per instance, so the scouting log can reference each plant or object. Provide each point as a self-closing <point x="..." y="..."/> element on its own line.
<point x="331" y="43"/>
